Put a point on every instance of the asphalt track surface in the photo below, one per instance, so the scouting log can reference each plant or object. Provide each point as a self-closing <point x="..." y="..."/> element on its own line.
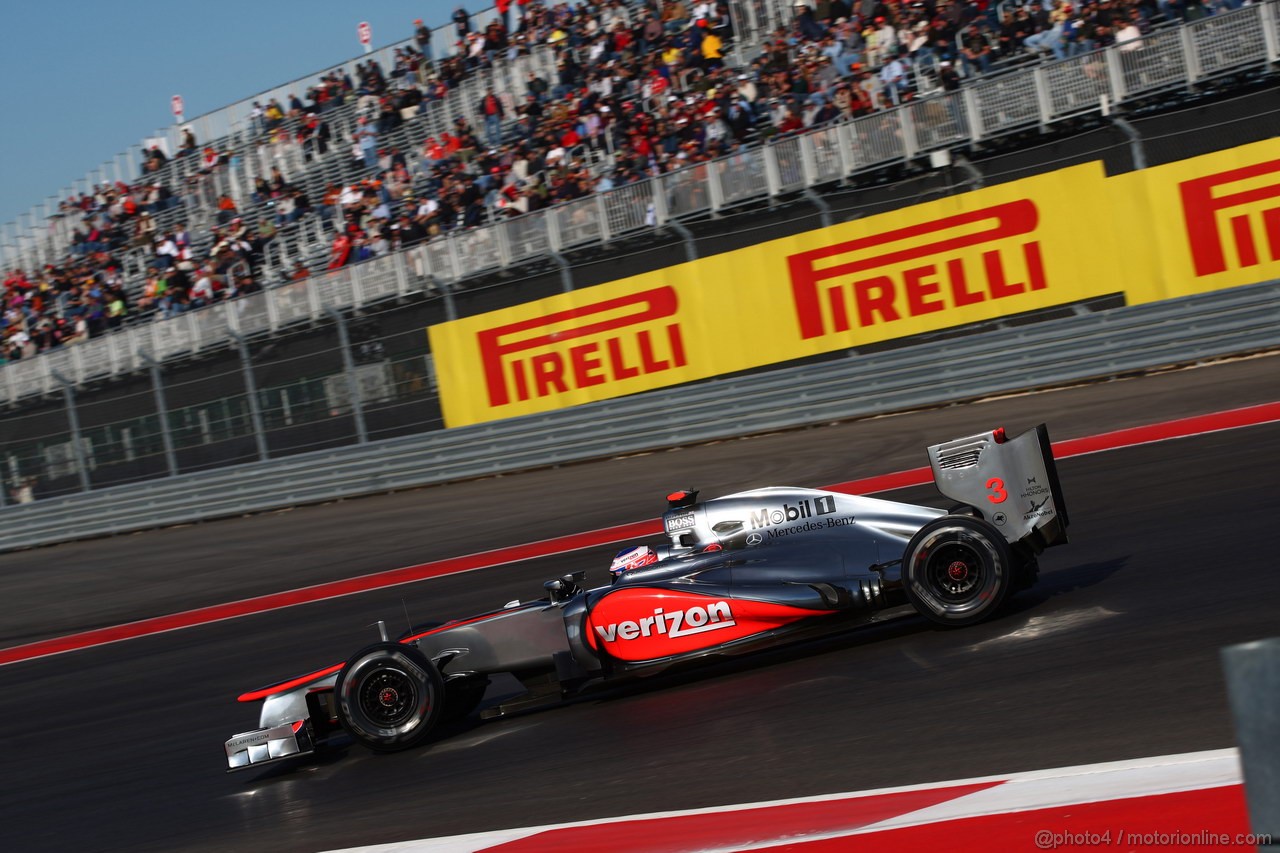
<point x="1113" y="655"/>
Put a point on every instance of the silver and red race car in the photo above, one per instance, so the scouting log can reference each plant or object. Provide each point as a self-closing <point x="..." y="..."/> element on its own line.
<point x="739" y="573"/>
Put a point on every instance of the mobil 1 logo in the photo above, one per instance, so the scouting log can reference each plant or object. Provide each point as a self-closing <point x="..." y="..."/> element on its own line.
<point x="802" y="509"/>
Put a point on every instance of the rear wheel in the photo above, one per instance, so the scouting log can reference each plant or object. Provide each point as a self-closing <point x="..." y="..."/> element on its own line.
<point x="389" y="697"/>
<point x="957" y="570"/>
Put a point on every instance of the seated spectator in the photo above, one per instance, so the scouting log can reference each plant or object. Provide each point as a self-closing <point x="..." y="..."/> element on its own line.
<point x="640" y="89"/>
<point x="155" y="160"/>
<point x="340" y="250"/>
<point x="675" y="15"/>
<point x="188" y="144"/>
<point x="202" y="290"/>
<point x="284" y="207"/>
<point x="226" y="209"/>
<point x="144" y="231"/>
<point x="365" y="143"/>
<point x="273" y="115"/>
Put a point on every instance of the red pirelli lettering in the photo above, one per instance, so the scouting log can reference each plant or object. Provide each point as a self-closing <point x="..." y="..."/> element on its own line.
<point x="881" y="294"/>
<point x="1203" y="199"/>
<point x="875" y="299"/>
<point x="920" y="286"/>
<point x="587" y="368"/>
<point x="547" y="355"/>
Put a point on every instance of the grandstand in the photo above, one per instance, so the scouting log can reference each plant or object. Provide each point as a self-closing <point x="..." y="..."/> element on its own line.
<point x="792" y="103"/>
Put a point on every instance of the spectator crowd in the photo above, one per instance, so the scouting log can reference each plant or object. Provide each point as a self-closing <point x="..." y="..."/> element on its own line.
<point x="640" y="89"/>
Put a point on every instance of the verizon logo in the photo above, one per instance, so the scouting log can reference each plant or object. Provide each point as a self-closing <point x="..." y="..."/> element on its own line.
<point x="594" y="344"/>
<point x="917" y="270"/>
<point x="674" y="624"/>
<point x="1226" y="210"/>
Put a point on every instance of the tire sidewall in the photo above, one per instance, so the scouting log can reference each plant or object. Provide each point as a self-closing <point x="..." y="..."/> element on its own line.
<point x="970" y="537"/>
<point x="408" y="667"/>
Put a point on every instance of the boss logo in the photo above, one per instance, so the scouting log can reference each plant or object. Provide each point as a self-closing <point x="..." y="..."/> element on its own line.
<point x="678" y="522"/>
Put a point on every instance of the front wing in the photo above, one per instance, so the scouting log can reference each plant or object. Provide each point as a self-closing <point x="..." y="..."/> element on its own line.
<point x="262" y="746"/>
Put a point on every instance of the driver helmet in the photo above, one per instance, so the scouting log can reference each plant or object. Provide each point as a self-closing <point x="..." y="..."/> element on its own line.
<point x="632" y="558"/>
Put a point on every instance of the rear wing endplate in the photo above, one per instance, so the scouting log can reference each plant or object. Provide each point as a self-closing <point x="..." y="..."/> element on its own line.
<point x="1012" y="482"/>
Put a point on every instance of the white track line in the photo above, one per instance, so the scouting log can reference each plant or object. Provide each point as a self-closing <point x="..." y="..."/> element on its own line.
<point x="1143" y="777"/>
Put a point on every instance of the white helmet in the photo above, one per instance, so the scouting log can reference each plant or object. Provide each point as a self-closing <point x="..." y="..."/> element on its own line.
<point x="632" y="558"/>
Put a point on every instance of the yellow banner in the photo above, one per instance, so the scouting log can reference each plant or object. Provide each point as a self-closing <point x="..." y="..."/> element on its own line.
<point x="1202" y="224"/>
<point x="1042" y="241"/>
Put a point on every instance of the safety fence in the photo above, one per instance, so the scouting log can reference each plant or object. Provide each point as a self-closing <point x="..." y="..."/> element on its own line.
<point x="1177" y="59"/>
<point x="232" y="123"/>
<point x="213" y="327"/>
<point x="1164" y="62"/>
<point x="1052" y="353"/>
<point x="1247" y="39"/>
<point x="255" y="153"/>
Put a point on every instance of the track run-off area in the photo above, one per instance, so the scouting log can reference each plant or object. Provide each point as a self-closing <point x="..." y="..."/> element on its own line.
<point x="124" y="656"/>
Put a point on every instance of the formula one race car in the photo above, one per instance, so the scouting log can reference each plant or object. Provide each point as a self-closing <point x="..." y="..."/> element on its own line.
<point x="739" y="573"/>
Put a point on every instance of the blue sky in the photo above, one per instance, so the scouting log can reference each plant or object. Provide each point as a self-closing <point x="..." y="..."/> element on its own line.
<point x="84" y="81"/>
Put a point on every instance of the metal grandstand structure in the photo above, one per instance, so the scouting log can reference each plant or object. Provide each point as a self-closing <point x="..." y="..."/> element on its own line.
<point x="27" y="239"/>
<point x="1244" y="44"/>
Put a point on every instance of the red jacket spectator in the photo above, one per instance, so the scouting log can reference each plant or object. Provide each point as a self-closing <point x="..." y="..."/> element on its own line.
<point x="340" y="252"/>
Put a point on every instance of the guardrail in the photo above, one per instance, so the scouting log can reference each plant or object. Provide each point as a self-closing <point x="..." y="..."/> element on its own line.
<point x="1056" y="352"/>
<point x="989" y="107"/>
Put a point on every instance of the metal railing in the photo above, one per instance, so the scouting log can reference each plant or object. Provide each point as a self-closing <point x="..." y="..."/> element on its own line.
<point x="196" y="192"/>
<point x="1246" y="39"/>
<point x="1052" y="353"/>
<point x="232" y="123"/>
<point x="988" y="107"/>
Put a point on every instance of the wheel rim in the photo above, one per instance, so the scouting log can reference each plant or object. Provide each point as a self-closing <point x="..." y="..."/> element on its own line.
<point x="955" y="572"/>
<point x="387" y="697"/>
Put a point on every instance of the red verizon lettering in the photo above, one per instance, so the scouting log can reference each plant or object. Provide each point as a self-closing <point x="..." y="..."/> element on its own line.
<point x="1200" y="209"/>
<point x="873" y="289"/>
<point x="636" y="347"/>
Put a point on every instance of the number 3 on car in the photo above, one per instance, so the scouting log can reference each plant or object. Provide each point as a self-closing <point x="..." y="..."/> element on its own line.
<point x="996" y="486"/>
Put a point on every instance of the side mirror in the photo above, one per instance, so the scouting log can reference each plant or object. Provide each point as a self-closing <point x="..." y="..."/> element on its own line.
<point x="564" y="587"/>
<point x="555" y="590"/>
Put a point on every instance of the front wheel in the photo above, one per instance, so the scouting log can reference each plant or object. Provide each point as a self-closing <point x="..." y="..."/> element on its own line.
<point x="957" y="570"/>
<point x="389" y="697"/>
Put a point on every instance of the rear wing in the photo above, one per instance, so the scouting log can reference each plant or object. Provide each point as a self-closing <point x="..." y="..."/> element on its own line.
<point x="1012" y="482"/>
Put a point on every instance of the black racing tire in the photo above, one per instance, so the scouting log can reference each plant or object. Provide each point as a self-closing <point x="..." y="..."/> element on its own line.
<point x="389" y="697"/>
<point x="958" y="570"/>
